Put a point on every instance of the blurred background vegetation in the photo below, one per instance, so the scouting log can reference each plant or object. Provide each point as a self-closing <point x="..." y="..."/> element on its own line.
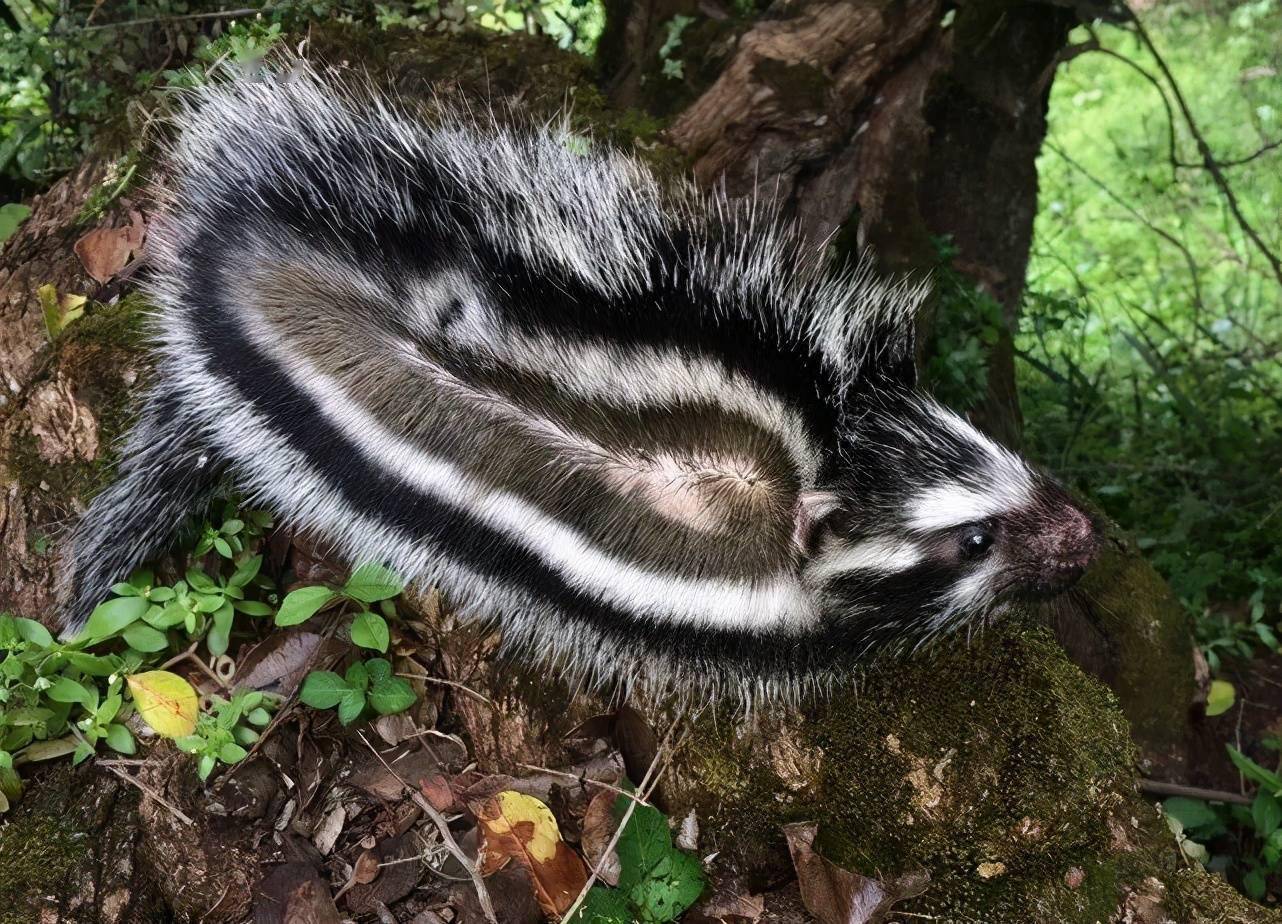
<point x="1149" y="345"/>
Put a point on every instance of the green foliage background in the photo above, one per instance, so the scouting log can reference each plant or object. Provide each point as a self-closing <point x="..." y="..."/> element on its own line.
<point x="1152" y="333"/>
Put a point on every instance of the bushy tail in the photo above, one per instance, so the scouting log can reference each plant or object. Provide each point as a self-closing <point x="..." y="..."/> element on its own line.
<point x="168" y="471"/>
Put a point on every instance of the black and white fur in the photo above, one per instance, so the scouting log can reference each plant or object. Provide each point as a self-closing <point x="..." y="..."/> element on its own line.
<point x="642" y="429"/>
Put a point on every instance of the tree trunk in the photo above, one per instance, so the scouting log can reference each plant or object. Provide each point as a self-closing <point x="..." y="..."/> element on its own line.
<point x="999" y="768"/>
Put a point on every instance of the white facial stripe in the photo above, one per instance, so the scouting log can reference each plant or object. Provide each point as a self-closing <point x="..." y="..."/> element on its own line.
<point x="970" y="594"/>
<point x="952" y="505"/>
<point x="779" y="602"/>
<point x="883" y="555"/>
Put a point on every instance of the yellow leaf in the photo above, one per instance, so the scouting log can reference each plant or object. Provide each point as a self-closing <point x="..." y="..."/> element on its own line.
<point x="166" y="702"/>
<point x="516" y="826"/>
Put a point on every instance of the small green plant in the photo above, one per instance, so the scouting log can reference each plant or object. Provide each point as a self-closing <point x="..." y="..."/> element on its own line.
<point x="230" y="538"/>
<point x="225" y="733"/>
<point x="657" y="881"/>
<point x="368" y="584"/>
<point x="60" y="698"/>
<point x="673" y="67"/>
<point x="1250" y="835"/>
<point x="367" y="685"/>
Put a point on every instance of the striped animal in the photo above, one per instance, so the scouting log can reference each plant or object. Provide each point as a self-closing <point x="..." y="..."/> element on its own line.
<point x="643" y="429"/>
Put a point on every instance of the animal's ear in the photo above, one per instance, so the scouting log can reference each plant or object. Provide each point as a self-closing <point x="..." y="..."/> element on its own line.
<point x="812" y="508"/>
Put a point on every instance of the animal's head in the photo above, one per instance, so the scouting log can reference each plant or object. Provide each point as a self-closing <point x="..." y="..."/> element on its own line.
<point x="924" y="525"/>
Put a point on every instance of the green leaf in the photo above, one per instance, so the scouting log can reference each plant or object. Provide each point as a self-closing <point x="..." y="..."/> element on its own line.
<point x="142" y="637"/>
<point x="1253" y="771"/>
<point x="1255" y="884"/>
<point x="12" y="214"/>
<point x="231" y="527"/>
<point x="371" y="583"/>
<point x="33" y="632"/>
<point x="94" y="665"/>
<point x="83" y="750"/>
<point x="206" y="766"/>
<point x="369" y="630"/>
<point x="66" y="690"/>
<point x="252" y="607"/>
<point x="207" y="603"/>
<point x="109" y="708"/>
<point x="259" y="717"/>
<point x="674" y="885"/>
<point x="1221" y="697"/>
<point x="644" y="842"/>
<point x="1266" y="813"/>
<point x="231" y="753"/>
<point x="189" y="744"/>
<point x="378" y="669"/>
<point x="121" y="739"/>
<point x="223" y="548"/>
<point x="323" y="689"/>
<point x="351" y="706"/>
<point x="220" y="631"/>
<point x="391" y="695"/>
<point x="300" y="605"/>
<point x="247" y="571"/>
<point x="48" y="750"/>
<point x="357" y="676"/>
<point x="603" y="906"/>
<point x="200" y="581"/>
<point x="1193" y="814"/>
<point x="111" y="617"/>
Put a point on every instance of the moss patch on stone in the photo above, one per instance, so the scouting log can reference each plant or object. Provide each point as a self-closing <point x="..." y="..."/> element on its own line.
<point x="997" y="767"/>
<point x="102" y="355"/>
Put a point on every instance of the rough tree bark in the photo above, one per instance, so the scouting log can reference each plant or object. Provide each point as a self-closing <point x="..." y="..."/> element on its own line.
<point x="1000" y="769"/>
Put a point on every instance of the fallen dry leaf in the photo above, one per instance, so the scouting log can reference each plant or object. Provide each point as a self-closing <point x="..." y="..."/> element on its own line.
<point x="104" y="252"/>
<point x="727" y="907"/>
<point x="366" y="869"/>
<point x="687" y="837"/>
<point x="382" y="875"/>
<point x="294" y="893"/>
<point x="327" y="832"/>
<point x="394" y="729"/>
<point x="279" y="663"/>
<point x="840" y="896"/>
<point x="520" y="827"/>
<point x="436" y="790"/>
<point x="599" y="824"/>
<point x="165" y="701"/>
<point x="310" y="903"/>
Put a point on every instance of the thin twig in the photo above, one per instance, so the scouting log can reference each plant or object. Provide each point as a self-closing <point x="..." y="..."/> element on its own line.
<point x="1158" y="788"/>
<point x="584" y="781"/>
<point x="1213" y="166"/>
<point x="648" y="782"/>
<point x="443" y="826"/>
<point x="128" y="778"/>
<point x="449" y="683"/>
<point x="185" y="17"/>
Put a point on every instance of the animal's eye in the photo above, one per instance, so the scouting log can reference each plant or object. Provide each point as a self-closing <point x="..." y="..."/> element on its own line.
<point x="975" y="542"/>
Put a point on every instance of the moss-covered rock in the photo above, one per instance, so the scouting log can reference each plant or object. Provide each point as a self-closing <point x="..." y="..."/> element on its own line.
<point x="998" y="767"/>
<point x="68" y="853"/>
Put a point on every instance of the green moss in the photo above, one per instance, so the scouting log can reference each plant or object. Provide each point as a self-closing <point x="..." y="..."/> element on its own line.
<point x="41" y="846"/>
<point x="95" y="353"/>
<point x="997" y="767"/>
<point x="1150" y="636"/>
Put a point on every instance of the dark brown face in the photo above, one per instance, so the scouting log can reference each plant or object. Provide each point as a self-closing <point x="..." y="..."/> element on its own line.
<point x="1049" y="544"/>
